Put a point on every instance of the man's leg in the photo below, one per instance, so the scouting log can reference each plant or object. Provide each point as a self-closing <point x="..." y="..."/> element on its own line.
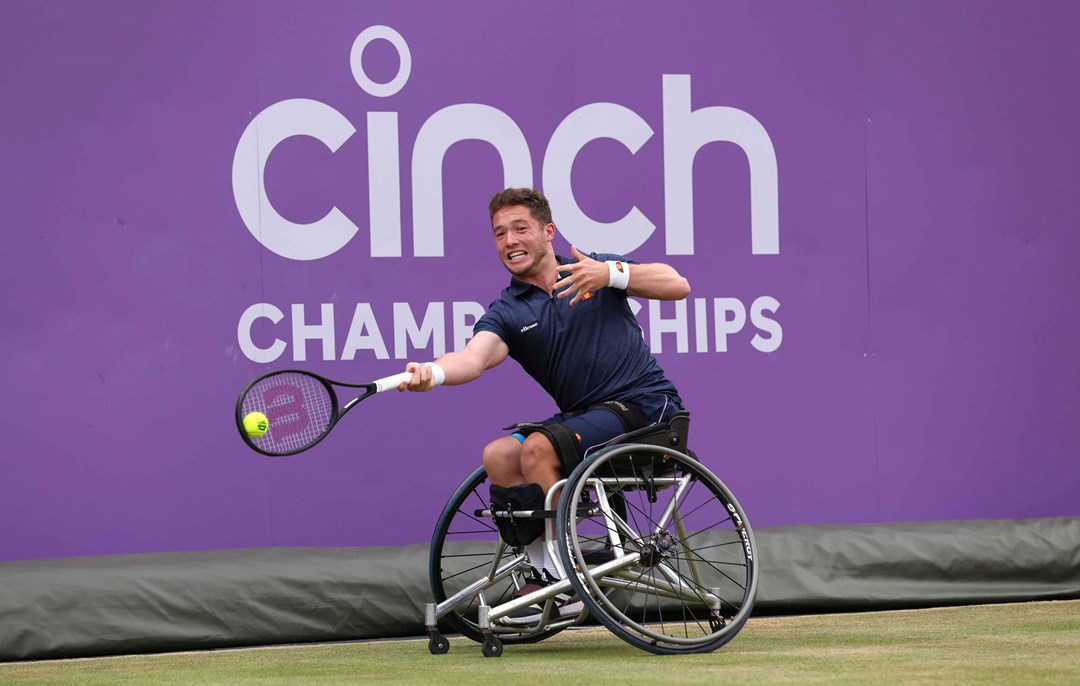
<point x="510" y="462"/>
<point x="511" y="490"/>
<point x="539" y="467"/>
<point x="539" y="463"/>
<point x="502" y="460"/>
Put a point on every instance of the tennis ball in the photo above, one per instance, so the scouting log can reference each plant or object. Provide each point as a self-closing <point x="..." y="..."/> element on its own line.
<point x="256" y="424"/>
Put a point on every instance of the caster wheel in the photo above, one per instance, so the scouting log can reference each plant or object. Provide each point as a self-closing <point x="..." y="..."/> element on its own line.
<point x="491" y="647"/>
<point x="438" y="645"/>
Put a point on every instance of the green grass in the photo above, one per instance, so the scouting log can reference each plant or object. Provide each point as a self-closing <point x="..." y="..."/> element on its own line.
<point x="1014" y="643"/>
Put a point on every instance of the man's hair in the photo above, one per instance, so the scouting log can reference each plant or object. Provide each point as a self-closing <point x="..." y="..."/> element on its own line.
<point x="537" y="203"/>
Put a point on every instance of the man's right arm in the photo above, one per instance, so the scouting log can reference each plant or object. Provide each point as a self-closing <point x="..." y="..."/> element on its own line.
<point x="482" y="352"/>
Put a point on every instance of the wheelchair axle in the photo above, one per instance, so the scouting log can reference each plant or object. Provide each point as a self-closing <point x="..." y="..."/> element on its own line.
<point x="659" y="548"/>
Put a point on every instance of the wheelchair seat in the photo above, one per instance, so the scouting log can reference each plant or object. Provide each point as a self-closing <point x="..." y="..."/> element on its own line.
<point x="673" y="434"/>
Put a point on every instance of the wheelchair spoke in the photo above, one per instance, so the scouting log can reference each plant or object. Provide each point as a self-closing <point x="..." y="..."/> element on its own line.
<point x="692" y="586"/>
<point x="482" y="565"/>
<point x="470" y="532"/>
<point x="736" y="541"/>
<point x="487" y="526"/>
<point x="720" y="571"/>
<point x="656" y="584"/>
<point x="711" y="528"/>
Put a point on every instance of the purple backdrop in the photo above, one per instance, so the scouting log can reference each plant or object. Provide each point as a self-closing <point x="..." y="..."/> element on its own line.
<point x="872" y="201"/>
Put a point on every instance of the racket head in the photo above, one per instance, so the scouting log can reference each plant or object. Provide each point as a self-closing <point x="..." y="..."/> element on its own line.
<point x="301" y="408"/>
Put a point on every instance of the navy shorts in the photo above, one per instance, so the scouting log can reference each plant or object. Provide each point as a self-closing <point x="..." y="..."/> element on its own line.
<point x="593" y="427"/>
<point x="578" y="433"/>
<point x="572" y="435"/>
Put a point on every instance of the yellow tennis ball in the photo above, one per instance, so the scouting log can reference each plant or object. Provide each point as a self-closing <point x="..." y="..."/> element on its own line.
<point x="256" y="424"/>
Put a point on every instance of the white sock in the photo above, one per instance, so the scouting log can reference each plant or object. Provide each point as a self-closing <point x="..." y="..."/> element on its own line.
<point x="539" y="558"/>
<point x="537" y="553"/>
<point x="553" y="567"/>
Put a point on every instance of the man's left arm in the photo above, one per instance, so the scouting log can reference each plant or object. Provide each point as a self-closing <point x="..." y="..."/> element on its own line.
<point x="656" y="281"/>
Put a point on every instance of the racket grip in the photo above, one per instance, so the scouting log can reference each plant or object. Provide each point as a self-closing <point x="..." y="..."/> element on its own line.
<point x="389" y="382"/>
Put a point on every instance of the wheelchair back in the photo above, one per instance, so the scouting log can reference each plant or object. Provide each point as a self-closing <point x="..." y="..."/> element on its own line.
<point x="673" y="434"/>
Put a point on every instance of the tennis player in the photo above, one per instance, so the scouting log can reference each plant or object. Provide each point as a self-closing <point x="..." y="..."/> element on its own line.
<point x="567" y="322"/>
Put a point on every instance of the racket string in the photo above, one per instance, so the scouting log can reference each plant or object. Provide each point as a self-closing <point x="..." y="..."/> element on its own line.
<point x="299" y="407"/>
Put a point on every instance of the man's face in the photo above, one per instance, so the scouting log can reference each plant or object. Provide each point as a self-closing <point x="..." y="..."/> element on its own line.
<point x="520" y="239"/>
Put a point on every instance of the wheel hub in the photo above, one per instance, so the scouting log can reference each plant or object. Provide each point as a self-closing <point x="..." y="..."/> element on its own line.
<point x="658" y="548"/>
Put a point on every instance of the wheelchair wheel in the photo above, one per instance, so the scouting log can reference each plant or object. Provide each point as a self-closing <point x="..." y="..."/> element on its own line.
<point x="464" y="548"/>
<point x="663" y="553"/>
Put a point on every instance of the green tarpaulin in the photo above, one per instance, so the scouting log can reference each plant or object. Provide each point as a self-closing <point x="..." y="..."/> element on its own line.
<point x="160" y="602"/>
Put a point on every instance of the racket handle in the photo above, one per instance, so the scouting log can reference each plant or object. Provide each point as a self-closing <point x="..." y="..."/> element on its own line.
<point x="389" y="382"/>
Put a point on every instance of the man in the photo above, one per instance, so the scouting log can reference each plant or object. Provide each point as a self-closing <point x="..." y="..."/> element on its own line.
<point x="568" y="323"/>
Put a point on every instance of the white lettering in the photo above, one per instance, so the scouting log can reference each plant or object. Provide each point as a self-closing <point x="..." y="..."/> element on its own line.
<point x="356" y="63"/>
<point x="384" y="184"/>
<point x="365" y="335"/>
<point x="659" y="326"/>
<point x="243" y="333"/>
<point x="446" y="127"/>
<point x="588" y="123"/>
<point x="463" y="329"/>
<point x="701" y="325"/>
<point x="770" y="326"/>
<point x="406" y="329"/>
<point x="724" y="325"/>
<point x="685" y="132"/>
<point x="269" y="128"/>
<point x="303" y="332"/>
<point x="364" y="321"/>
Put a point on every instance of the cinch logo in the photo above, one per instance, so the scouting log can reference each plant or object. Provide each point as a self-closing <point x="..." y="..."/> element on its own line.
<point x="684" y="132"/>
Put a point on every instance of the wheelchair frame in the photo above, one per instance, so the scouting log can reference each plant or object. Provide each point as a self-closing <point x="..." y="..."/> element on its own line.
<point x="651" y="541"/>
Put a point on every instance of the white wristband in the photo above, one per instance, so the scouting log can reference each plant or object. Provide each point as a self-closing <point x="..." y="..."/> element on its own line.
<point x="437" y="373"/>
<point x="618" y="274"/>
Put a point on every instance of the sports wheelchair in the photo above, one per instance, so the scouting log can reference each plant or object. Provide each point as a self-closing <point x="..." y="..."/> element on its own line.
<point x="651" y="541"/>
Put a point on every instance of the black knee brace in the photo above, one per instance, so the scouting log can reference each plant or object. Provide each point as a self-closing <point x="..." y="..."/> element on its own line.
<point x="566" y="443"/>
<point x="516" y="531"/>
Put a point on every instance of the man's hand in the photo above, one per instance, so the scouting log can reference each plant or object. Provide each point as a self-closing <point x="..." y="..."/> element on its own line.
<point x="422" y="378"/>
<point x="655" y="281"/>
<point x="586" y="276"/>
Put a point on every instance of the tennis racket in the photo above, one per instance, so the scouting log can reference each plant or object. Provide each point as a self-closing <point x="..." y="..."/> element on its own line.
<point x="301" y="408"/>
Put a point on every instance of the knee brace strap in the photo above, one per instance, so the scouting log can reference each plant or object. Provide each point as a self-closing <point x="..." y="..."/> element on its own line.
<point x="566" y="443"/>
<point x="631" y="416"/>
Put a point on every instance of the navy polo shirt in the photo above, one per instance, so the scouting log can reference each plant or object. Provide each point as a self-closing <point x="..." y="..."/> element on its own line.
<point x="581" y="355"/>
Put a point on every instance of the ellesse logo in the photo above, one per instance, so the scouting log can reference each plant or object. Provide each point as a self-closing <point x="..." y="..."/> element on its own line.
<point x="527" y="327"/>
